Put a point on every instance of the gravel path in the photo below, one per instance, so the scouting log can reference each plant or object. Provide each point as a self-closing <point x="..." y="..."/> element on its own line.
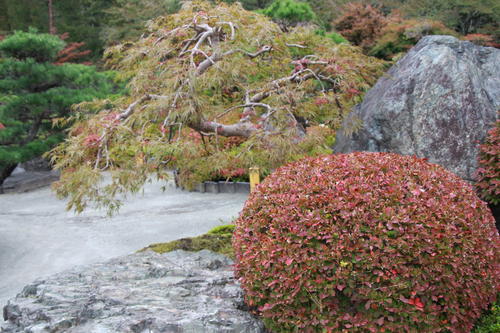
<point x="38" y="237"/>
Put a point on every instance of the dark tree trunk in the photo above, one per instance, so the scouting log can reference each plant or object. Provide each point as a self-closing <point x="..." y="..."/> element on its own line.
<point x="52" y="27"/>
<point x="5" y="172"/>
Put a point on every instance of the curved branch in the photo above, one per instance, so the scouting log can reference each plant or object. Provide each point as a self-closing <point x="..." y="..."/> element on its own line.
<point x="241" y="129"/>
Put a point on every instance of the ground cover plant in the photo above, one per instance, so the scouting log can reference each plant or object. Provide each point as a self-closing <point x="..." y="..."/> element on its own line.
<point x="217" y="239"/>
<point x="212" y="88"/>
<point x="367" y="242"/>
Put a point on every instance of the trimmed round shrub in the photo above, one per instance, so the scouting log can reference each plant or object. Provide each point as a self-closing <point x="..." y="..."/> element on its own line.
<point x="367" y="242"/>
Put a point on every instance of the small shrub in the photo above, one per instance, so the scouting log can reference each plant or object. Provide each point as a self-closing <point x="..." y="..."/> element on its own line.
<point x="367" y="242"/>
<point x="488" y="178"/>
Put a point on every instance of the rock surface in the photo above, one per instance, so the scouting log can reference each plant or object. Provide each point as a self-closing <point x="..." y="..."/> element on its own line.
<point x="437" y="102"/>
<point x="175" y="292"/>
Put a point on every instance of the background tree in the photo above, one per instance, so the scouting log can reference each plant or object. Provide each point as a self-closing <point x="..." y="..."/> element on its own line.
<point x="126" y="19"/>
<point x="289" y="12"/>
<point x="399" y="35"/>
<point x="212" y="90"/>
<point x="35" y="93"/>
<point x="361" y="24"/>
<point x="52" y="26"/>
<point x="251" y="4"/>
<point x="465" y="16"/>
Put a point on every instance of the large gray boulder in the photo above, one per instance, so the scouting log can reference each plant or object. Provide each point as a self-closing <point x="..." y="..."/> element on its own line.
<point x="175" y="292"/>
<point x="437" y="102"/>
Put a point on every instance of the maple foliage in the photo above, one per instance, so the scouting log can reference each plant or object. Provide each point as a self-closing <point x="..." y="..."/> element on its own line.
<point x="482" y="39"/>
<point x="199" y="79"/>
<point x="367" y="242"/>
<point x="71" y="52"/>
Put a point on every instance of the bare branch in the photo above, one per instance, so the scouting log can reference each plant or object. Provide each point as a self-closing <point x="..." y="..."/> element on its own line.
<point x="210" y="61"/>
<point x="232" y="26"/>
<point x="131" y="108"/>
<point x="296" y="45"/>
<point x="264" y="49"/>
<point x="241" y="129"/>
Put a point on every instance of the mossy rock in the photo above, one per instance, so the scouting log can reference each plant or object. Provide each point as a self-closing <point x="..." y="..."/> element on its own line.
<point x="217" y="240"/>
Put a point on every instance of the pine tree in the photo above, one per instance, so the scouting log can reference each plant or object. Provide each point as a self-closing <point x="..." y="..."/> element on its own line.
<point x="35" y="93"/>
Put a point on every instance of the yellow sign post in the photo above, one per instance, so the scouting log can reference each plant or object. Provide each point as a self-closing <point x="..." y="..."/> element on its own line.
<point x="254" y="177"/>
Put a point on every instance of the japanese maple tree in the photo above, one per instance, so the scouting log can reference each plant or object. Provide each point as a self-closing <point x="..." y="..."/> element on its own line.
<point x="199" y="79"/>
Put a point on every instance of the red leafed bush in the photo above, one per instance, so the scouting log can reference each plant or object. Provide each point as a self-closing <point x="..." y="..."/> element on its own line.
<point x="482" y="39"/>
<point x="367" y="242"/>
<point x="488" y="180"/>
<point x="360" y="24"/>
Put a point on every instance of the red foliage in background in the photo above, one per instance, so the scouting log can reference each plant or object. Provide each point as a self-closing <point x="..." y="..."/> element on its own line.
<point x="482" y="39"/>
<point x="488" y="177"/>
<point x="367" y="242"/>
<point x="360" y="24"/>
<point x="71" y="52"/>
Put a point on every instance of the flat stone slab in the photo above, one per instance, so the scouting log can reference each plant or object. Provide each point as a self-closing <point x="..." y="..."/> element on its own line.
<point x="144" y="292"/>
<point x="222" y="187"/>
<point x="29" y="180"/>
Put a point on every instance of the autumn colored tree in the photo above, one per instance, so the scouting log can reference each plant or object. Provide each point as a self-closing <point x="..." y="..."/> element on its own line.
<point x="35" y="94"/>
<point x="212" y="89"/>
<point x="361" y="24"/>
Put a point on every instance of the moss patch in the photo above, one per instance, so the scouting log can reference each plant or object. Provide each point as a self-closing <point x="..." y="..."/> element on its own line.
<point x="217" y="240"/>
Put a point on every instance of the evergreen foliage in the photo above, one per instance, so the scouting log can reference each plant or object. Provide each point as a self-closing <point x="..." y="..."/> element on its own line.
<point x="35" y="94"/>
<point x="289" y="12"/>
<point x="40" y="47"/>
<point x="248" y="95"/>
